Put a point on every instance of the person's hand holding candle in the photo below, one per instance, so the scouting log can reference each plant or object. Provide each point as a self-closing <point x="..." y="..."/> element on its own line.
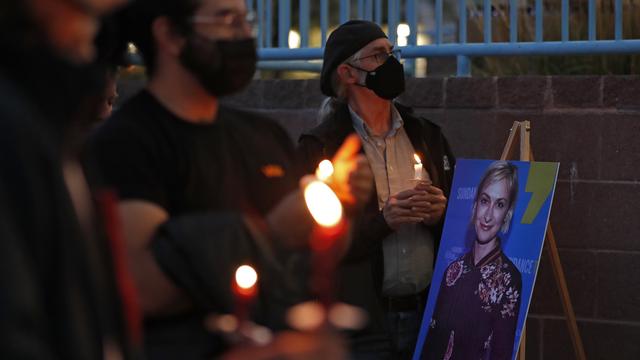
<point x="429" y="203"/>
<point x="352" y="179"/>
<point x="398" y="209"/>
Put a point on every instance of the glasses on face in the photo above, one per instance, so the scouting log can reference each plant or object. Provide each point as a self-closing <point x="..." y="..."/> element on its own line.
<point x="381" y="57"/>
<point x="228" y="18"/>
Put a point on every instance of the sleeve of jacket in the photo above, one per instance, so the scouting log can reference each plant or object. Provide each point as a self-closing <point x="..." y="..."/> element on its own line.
<point x="23" y="320"/>
<point x="451" y="159"/>
<point x="201" y="252"/>
<point x="369" y="230"/>
<point x="309" y="153"/>
<point x="505" y="320"/>
<point x="448" y="168"/>
<point x="25" y="176"/>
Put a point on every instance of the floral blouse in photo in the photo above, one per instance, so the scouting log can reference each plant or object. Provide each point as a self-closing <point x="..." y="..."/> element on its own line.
<point x="476" y="313"/>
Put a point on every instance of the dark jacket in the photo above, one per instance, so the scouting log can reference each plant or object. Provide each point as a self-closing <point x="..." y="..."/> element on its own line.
<point x="362" y="269"/>
<point x="58" y="295"/>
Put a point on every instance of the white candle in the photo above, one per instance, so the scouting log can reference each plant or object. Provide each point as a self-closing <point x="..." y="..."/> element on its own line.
<point x="417" y="167"/>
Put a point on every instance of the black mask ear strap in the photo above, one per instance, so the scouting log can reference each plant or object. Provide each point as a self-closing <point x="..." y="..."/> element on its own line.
<point x="361" y="69"/>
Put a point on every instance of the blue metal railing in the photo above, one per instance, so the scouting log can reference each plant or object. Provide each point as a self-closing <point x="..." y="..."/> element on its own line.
<point x="407" y="12"/>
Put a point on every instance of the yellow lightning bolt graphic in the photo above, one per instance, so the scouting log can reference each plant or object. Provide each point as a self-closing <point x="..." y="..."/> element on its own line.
<point x="542" y="176"/>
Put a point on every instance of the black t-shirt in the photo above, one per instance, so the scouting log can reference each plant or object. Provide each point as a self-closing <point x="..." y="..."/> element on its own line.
<point x="241" y="162"/>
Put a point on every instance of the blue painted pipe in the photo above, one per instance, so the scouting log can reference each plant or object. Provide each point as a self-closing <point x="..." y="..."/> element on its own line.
<point x="486" y="17"/>
<point x="479" y="49"/>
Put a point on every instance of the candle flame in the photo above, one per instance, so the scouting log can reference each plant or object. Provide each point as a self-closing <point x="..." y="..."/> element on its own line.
<point x="246" y="277"/>
<point x="323" y="204"/>
<point x="325" y="170"/>
<point x="415" y="156"/>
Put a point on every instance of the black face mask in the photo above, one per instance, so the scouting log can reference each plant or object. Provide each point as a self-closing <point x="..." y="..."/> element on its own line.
<point x="223" y="67"/>
<point x="387" y="80"/>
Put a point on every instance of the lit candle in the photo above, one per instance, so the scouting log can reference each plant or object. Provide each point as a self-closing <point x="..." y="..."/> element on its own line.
<point x="323" y="204"/>
<point x="417" y="167"/>
<point x="325" y="170"/>
<point x="326" y="209"/>
<point x="245" y="290"/>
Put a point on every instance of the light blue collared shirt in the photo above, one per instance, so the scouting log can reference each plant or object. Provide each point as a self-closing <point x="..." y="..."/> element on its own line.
<point x="409" y="251"/>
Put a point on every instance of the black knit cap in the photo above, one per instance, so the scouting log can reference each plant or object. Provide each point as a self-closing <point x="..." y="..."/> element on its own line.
<point x="343" y="42"/>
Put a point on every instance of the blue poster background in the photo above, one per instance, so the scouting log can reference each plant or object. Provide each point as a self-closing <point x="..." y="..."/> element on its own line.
<point x="458" y="236"/>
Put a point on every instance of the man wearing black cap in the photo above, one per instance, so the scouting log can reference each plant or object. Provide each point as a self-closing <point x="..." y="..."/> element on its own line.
<point x="390" y="264"/>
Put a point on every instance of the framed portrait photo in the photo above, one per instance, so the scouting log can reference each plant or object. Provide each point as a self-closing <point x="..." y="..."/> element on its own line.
<point x="495" y="225"/>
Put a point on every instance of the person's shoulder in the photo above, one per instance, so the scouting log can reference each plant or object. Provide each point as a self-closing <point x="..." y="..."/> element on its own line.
<point x="408" y="114"/>
<point x="335" y="125"/>
<point x="456" y="269"/>
<point x="253" y="120"/>
<point x="456" y="263"/>
<point x="134" y="118"/>
<point x="245" y="115"/>
<point x="463" y="259"/>
<point x="328" y="127"/>
<point x="135" y="110"/>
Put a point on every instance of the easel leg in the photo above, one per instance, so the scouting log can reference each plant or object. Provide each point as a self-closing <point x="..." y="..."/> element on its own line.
<point x="523" y="341"/>
<point x="507" y="152"/>
<point x="526" y="154"/>
<point x="558" y="273"/>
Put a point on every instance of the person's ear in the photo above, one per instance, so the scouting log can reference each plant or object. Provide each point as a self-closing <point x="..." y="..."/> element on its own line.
<point x="167" y="39"/>
<point x="347" y="74"/>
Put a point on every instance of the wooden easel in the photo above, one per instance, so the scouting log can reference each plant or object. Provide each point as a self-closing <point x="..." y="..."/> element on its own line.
<point x="521" y="131"/>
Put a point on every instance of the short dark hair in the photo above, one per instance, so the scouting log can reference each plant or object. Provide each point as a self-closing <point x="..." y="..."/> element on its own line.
<point x="141" y="15"/>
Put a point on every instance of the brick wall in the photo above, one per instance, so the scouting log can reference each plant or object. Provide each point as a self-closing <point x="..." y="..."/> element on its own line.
<point x="589" y="124"/>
